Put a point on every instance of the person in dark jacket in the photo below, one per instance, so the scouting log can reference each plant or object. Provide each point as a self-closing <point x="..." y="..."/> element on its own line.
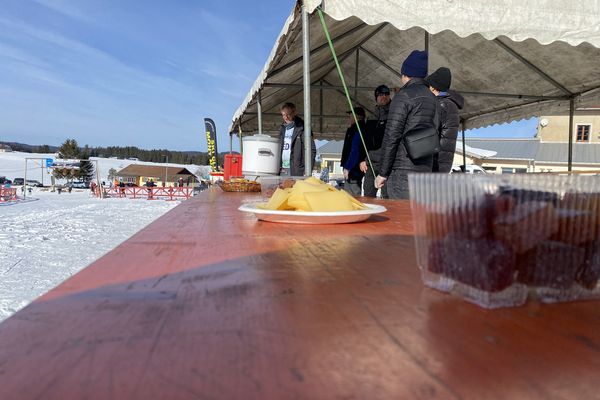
<point x="449" y="102"/>
<point x="413" y="108"/>
<point x="373" y="140"/>
<point x="353" y="152"/>
<point x="291" y="140"/>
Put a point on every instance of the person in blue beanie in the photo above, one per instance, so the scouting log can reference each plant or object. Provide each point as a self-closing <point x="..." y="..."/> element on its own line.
<point x="413" y="108"/>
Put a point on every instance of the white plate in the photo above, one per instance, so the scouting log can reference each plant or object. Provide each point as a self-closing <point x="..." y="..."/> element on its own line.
<point x="312" y="217"/>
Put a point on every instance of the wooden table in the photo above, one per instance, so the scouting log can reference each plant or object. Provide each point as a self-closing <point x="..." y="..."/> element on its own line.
<point x="209" y="303"/>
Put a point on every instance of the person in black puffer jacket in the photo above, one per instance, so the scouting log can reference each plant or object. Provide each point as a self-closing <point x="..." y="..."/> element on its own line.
<point x="449" y="102"/>
<point x="413" y="108"/>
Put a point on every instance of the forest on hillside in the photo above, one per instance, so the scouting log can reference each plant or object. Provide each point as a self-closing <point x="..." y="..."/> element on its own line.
<point x="154" y="155"/>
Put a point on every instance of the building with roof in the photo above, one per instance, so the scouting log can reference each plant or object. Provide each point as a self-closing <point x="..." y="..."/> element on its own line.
<point x="330" y="155"/>
<point x="547" y="151"/>
<point x="139" y="174"/>
<point x="586" y="127"/>
<point x="4" y="148"/>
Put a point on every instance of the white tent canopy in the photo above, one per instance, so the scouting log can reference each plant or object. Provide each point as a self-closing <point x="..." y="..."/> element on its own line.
<point x="511" y="59"/>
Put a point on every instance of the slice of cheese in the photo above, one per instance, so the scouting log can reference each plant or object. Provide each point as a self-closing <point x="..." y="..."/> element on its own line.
<point x="304" y="186"/>
<point x="314" y="181"/>
<point x="328" y="201"/>
<point x="357" y="204"/>
<point x="278" y="200"/>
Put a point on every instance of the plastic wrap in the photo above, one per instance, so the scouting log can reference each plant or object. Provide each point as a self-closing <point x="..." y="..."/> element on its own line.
<point x="498" y="240"/>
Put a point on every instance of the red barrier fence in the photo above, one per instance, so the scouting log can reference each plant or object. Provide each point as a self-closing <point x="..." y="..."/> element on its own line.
<point x="8" y="194"/>
<point x="150" y="193"/>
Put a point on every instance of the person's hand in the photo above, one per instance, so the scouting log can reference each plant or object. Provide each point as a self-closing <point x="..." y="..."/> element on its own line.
<point x="380" y="181"/>
<point x="363" y="167"/>
<point x="345" y="173"/>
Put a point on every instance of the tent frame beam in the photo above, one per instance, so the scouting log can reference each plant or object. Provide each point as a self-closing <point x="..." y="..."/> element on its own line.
<point x="381" y="62"/>
<point x="369" y="88"/>
<point x="531" y="66"/>
<point x="316" y="50"/>
<point x="340" y="90"/>
<point x="342" y="58"/>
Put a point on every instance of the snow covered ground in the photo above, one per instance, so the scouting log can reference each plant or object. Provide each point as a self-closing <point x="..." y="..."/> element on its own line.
<point x="46" y="240"/>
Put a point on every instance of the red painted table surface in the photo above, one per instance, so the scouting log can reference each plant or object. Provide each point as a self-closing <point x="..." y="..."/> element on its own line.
<point x="209" y="303"/>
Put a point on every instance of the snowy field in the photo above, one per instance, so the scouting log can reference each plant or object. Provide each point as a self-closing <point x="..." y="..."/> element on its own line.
<point x="46" y="240"/>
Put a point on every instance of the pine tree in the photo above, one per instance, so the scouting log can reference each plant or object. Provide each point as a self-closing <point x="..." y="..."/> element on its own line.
<point x="86" y="170"/>
<point x="69" y="149"/>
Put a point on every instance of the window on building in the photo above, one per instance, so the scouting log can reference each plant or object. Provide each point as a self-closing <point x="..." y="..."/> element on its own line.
<point x="583" y="133"/>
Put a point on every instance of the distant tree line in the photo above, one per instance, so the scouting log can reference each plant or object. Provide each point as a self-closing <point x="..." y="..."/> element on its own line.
<point x="154" y="155"/>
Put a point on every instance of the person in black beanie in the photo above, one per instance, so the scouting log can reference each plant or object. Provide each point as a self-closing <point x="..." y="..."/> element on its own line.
<point x="375" y="130"/>
<point x="413" y="108"/>
<point x="449" y="102"/>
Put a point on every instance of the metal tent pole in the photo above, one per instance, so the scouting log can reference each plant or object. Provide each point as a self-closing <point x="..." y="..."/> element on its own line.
<point x="571" y="114"/>
<point x="240" y="137"/>
<point x="306" y="74"/>
<point x="464" y="147"/>
<point x="259" y="109"/>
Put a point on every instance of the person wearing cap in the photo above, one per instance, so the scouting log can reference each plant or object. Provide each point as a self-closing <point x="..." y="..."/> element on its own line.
<point x="353" y="152"/>
<point x="413" y="108"/>
<point x="449" y="102"/>
<point x="373" y="139"/>
<point x="291" y="140"/>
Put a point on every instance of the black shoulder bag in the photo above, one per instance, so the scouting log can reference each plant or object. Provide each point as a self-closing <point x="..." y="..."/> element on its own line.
<point x="425" y="141"/>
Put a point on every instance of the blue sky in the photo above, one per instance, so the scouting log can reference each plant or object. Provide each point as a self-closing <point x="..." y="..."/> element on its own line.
<point x="136" y="73"/>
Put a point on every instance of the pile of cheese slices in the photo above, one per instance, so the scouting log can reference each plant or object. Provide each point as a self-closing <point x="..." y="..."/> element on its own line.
<point x="312" y="194"/>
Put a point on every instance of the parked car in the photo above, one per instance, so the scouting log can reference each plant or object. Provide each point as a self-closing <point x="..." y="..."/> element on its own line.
<point x="77" y="185"/>
<point x="4" y="181"/>
<point x="34" y="183"/>
<point x="18" y="181"/>
<point x="471" y="169"/>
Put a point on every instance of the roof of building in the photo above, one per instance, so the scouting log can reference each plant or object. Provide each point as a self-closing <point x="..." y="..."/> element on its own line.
<point x="505" y="148"/>
<point x="154" y="170"/>
<point x="534" y="149"/>
<point x="333" y="148"/>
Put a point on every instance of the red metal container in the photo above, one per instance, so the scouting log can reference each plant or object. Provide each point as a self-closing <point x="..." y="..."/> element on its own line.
<point x="233" y="166"/>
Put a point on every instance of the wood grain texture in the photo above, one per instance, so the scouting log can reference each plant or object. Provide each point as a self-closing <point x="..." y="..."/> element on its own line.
<point x="209" y="303"/>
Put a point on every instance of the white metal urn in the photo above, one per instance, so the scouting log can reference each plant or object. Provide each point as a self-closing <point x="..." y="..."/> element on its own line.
<point x="261" y="155"/>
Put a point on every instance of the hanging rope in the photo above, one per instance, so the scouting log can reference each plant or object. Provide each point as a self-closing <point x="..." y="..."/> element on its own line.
<point x="339" y="69"/>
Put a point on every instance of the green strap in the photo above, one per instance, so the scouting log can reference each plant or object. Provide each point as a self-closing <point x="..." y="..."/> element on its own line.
<point x="339" y="69"/>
